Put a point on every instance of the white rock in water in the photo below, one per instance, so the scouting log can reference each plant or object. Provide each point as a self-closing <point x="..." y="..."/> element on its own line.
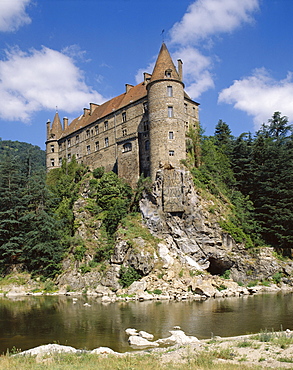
<point x="146" y="335"/>
<point x="130" y="331"/>
<point x="178" y="337"/>
<point x="48" y="349"/>
<point x="136" y="341"/>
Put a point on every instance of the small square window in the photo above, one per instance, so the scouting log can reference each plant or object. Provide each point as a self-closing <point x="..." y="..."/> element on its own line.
<point x="97" y="129"/>
<point x="171" y="135"/>
<point x="171" y="153"/>
<point x="52" y="148"/>
<point x="88" y="149"/>
<point x="124" y="117"/>
<point x="87" y="133"/>
<point x="124" y="132"/>
<point x="52" y="162"/>
<point x="106" y="142"/>
<point x="77" y="139"/>
<point x="106" y="125"/>
<point x="97" y="145"/>
<point x="145" y="107"/>
<point x="170" y="112"/>
<point x="169" y="91"/>
<point x="68" y="143"/>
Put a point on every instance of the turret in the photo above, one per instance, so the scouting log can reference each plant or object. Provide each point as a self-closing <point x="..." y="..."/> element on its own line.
<point x="52" y="147"/>
<point x="166" y="114"/>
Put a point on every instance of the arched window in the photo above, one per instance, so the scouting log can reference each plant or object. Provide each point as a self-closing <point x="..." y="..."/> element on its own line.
<point x="127" y="147"/>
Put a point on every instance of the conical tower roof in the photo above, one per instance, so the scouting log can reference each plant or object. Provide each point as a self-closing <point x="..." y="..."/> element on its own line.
<point x="164" y="63"/>
<point x="56" y="126"/>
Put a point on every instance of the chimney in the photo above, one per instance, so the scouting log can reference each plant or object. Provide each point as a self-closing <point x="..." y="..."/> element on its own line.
<point x="48" y="129"/>
<point x="93" y="106"/>
<point x="65" y="123"/>
<point x="146" y="78"/>
<point x="128" y="87"/>
<point x="180" y="63"/>
<point x="86" y="111"/>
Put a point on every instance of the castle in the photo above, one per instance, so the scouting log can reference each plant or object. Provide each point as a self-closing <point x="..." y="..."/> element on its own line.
<point x="137" y="132"/>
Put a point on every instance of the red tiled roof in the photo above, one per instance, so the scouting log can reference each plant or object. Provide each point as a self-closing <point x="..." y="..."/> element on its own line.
<point x="135" y="93"/>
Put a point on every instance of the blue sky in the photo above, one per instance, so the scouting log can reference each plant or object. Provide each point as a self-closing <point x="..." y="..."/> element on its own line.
<point x="237" y="58"/>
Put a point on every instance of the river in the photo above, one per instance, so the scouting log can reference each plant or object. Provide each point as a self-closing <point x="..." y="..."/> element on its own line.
<point x="27" y="322"/>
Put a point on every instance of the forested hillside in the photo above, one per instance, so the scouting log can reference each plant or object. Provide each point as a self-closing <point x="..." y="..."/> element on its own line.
<point x="253" y="175"/>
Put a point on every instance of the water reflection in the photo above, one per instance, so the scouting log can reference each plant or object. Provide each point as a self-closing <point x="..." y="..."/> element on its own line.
<point x="30" y="321"/>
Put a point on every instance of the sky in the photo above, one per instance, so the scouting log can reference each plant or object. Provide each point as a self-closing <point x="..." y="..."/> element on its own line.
<point x="64" y="54"/>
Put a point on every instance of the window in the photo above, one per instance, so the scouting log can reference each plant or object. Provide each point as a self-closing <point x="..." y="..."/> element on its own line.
<point x="185" y="108"/>
<point x="77" y="139"/>
<point x="124" y="132"/>
<point x="97" y="129"/>
<point x="60" y="161"/>
<point x="87" y="133"/>
<point x="171" y="135"/>
<point x="97" y="145"/>
<point x="145" y="107"/>
<point x="106" y="125"/>
<point x="124" y="117"/>
<point x="170" y="112"/>
<point x="52" y="162"/>
<point x="171" y="153"/>
<point x="147" y="145"/>
<point x="69" y="156"/>
<point x="169" y="91"/>
<point x="88" y="149"/>
<point x="127" y="147"/>
<point x="68" y="143"/>
<point x="168" y="73"/>
<point x="52" y="148"/>
<point x="106" y="142"/>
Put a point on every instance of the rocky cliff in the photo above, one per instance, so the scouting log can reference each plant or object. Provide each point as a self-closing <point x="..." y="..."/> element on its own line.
<point x="176" y="247"/>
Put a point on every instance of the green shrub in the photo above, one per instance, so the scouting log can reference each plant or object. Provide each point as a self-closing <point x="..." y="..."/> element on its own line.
<point x="277" y="277"/>
<point x="98" y="172"/>
<point x="127" y="276"/>
<point x="79" y="252"/>
<point x="226" y="274"/>
<point x="84" y="269"/>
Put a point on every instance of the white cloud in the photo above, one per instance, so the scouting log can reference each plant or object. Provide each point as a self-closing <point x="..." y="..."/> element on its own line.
<point x="13" y="14"/>
<point x="41" y="79"/>
<point x="206" y="18"/>
<point x="196" y="71"/>
<point x="260" y="95"/>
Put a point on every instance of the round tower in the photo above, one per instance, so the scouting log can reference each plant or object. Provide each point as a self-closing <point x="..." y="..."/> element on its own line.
<point x="52" y="147"/>
<point x="166" y="114"/>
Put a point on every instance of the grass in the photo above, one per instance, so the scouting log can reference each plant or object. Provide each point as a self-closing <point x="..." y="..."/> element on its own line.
<point x="111" y="362"/>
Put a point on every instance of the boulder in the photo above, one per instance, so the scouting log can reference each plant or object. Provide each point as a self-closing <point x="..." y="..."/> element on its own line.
<point x="146" y="335"/>
<point x="104" y="351"/>
<point x="130" y="331"/>
<point x="178" y="337"/>
<point x="48" y="349"/>
<point x="139" y="342"/>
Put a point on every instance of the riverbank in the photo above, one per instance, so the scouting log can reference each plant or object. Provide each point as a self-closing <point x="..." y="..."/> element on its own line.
<point x="204" y="286"/>
<point x="266" y="350"/>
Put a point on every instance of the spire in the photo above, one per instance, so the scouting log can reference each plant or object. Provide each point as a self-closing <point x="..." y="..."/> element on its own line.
<point x="164" y="67"/>
<point x="56" y="126"/>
